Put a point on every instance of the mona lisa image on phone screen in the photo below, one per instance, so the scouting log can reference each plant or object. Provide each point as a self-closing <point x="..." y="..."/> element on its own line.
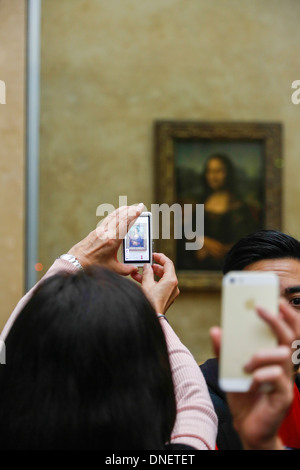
<point x="137" y="244"/>
<point x="243" y="331"/>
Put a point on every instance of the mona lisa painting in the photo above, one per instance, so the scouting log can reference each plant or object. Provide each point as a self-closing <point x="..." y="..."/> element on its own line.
<point x="234" y="171"/>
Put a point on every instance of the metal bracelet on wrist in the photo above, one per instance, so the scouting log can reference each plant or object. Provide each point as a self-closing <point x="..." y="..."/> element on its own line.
<point x="72" y="260"/>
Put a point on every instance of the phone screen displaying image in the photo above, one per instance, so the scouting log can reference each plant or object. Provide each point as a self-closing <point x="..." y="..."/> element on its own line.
<point x="137" y="242"/>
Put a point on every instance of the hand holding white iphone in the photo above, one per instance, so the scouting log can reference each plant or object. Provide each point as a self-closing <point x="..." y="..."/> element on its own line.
<point x="137" y="244"/>
<point x="243" y="332"/>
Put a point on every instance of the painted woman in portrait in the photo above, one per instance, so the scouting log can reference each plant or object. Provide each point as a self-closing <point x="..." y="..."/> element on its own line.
<point x="226" y="216"/>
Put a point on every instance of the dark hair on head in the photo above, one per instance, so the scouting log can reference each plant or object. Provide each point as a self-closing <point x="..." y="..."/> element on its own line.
<point x="261" y="245"/>
<point x="86" y="368"/>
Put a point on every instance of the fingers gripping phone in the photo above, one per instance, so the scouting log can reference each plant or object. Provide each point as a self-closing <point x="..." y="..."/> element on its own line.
<point x="137" y="243"/>
<point x="243" y="331"/>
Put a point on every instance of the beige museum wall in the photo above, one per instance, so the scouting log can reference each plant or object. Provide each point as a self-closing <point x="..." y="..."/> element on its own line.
<point x="12" y="169"/>
<point x="109" y="69"/>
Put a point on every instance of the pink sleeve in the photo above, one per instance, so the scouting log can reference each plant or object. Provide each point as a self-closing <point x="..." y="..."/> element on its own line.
<point x="58" y="266"/>
<point x="196" y="421"/>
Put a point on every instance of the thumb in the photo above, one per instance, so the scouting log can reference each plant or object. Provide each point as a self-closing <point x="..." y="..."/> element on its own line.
<point x="216" y="335"/>
<point x="148" y="276"/>
<point x="123" y="269"/>
<point x="129" y="270"/>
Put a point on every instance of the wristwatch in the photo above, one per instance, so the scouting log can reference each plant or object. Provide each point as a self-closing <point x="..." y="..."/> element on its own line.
<point x="72" y="260"/>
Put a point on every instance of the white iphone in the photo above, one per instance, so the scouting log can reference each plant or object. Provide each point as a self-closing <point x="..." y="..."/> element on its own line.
<point x="243" y="331"/>
<point x="137" y="243"/>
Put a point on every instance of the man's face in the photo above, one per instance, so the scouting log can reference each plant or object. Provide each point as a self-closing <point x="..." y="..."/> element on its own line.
<point x="288" y="271"/>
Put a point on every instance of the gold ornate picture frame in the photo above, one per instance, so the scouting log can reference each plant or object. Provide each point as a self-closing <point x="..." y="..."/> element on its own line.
<point x="184" y="151"/>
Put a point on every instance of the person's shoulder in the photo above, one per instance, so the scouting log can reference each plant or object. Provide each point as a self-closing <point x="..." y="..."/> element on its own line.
<point x="227" y="437"/>
<point x="210" y="370"/>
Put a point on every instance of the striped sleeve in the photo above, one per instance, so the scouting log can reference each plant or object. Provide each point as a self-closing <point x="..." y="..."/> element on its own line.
<point x="196" y="421"/>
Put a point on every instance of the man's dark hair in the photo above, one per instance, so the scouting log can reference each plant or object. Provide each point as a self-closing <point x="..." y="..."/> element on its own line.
<point x="261" y="245"/>
<point x="87" y="368"/>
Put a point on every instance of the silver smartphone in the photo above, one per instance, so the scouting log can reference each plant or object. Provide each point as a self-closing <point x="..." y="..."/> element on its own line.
<point x="243" y="331"/>
<point x="137" y="243"/>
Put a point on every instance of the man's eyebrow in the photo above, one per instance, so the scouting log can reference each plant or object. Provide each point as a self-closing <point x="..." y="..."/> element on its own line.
<point x="292" y="290"/>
